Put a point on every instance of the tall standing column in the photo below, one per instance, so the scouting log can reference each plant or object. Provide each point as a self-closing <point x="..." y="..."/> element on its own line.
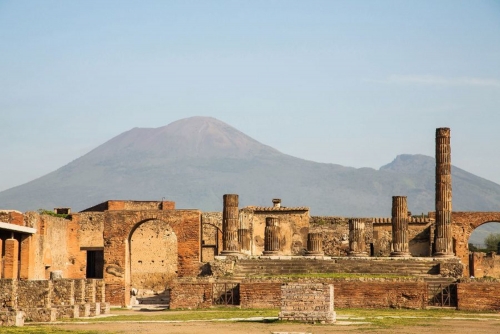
<point x="357" y="243"/>
<point x="271" y="237"/>
<point x="230" y="226"/>
<point x="443" y="240"/>
<point x="400" y="227"/>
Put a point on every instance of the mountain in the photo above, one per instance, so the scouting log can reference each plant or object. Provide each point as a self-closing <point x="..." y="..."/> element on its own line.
<point x="194" y="161"/>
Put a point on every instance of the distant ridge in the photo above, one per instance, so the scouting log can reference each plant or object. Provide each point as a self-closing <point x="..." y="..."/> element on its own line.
<point x="194" y="161"/>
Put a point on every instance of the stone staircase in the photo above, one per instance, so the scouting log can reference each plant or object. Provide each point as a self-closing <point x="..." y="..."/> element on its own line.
<point x="147" y="299"/>
<point x="303" y="265"/>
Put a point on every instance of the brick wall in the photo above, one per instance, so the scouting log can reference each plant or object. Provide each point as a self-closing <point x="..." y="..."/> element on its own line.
<point x="380" y="294"/>
<point x="260" y="295"/>
<point x="187" y="295"/>
<point x="478" y="296"/>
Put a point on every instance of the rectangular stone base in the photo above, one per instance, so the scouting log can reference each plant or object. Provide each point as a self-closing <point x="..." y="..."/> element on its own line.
<point x="41" y="314"/>
<point x="70" y="311"/>
<point x="12" y="318"/>
<point x="105" y="308"/>
<point x="84" y="310"/>
<point x="321" y="317"/>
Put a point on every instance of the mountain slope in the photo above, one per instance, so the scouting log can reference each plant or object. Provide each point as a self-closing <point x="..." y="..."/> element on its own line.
<point x="195" y="161"/>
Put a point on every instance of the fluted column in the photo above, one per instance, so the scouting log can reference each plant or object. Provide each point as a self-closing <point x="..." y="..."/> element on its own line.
<point x="357" y="243"/>
<point x="230" y="226"/>
<point x="244" y="239"/>
<point x="271" y="237"/>
<point x="400" y="244"/>
<point x="314" y="244"/>
<point x="443" y="240"/>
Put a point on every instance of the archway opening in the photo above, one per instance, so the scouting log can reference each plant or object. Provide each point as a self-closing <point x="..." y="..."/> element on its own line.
<point x="153" y="262"/>
<point x="484" y="251"/>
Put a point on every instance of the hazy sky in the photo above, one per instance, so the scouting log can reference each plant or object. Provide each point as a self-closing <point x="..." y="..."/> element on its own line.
<point x="348" y="82"/>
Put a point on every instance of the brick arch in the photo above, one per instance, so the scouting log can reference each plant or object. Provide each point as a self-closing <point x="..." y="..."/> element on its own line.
<point x="119" y="225"/>
<point x="153" y="256"/>
<point x="464" y="223"/>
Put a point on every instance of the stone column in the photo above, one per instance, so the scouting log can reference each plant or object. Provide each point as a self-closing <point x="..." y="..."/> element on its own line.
<point x="443" y="241"/>
<point x="244" y="239"/>
<point x="11" y="262"/>
<point x="230" y="226"/>
<point x="27" y="263"/>
<point x="400" y="227"/>
<point x="314" y="244"/>
<point x="272" y="237"/>
<point x="357" y="243"/>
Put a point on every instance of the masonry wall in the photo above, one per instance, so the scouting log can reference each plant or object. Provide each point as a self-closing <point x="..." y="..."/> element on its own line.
<point x="485" y="264"/>
<point x="191" y="295"/>
<point x="294" y="227"/>
<point x="118" y="229"/>
<point x="211" y="223"/>
<point x="478" y="296"/>
<point x="378" y="232"/>
<point x="260" y="294"/>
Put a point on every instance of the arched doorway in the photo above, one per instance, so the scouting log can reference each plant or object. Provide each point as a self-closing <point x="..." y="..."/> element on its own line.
<point x="153" y="261"/>
<point x="484" y="258"/>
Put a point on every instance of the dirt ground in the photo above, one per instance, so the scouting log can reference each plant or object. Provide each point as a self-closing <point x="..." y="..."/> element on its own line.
<point x="474" y="323"/>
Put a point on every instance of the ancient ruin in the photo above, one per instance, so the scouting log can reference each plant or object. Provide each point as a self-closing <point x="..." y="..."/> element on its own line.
<point x="139" y="253"/>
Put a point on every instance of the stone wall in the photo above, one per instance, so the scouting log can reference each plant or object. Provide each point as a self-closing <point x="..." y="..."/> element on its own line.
<point x="485" y="264"/>
<point x="211" y="223"/>
<point x="260" y="295"/>
<point x="307" y="302"/>
<point x="378" y="234"/>
<point x="350" y="293"/>
<point x="293" y="227"/>
<point x="481" y="296"/>
<point x="119" y="227"/>
<point x="191" y="295"/>
<point x="48" y="300"/>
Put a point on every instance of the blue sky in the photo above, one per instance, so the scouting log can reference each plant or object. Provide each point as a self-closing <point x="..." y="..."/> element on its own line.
<point x="348" y="82"/>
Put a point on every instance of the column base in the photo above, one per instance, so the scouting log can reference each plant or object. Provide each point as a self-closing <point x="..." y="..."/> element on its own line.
<point x="443" y="254"/>
<point x="270" y="253"/>
<point x="314" y="254"/>
<point x="400" y="254"/>
<point x="229" y="253"/>
<point x="355" y="254"/>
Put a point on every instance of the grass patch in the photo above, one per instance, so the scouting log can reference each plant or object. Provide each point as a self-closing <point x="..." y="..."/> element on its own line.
<point x="42" y="330"/>
<point x="186" y="315"/>
<point x="333" y="275"/>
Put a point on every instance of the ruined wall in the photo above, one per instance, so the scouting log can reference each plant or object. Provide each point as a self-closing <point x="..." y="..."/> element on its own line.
<point x="478" y="296"/>
<point x="335" y="232"/>
<point x="118" y="228"/>
<point x="55" y="246"/>
<point x="293" y="224"/>
<point x="91" y="227"/>
<point x="48" y="300"/>
<point x="260" y="294"/>
<point x="485" y="264"/>
<point x="211" y="235"/>
<point x="187" y="295"/>
<point x="153" y="256"/>
<point x="349" y="293"/>
<point x="463" y="224"/>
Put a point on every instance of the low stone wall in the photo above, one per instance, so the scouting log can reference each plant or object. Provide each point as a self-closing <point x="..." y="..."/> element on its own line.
<point x="49" y="300"/>
<point x="380" y="294"/>
<point x="260" y="295"/>
<point x="191" y="295"/>
<point x="307" y="302"/>
<point x="350" y="293"/>
<point x="478" y="296"/>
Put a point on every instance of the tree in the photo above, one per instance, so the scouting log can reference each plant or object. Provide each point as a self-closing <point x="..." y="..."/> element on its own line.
<point x="492" y="241"/>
